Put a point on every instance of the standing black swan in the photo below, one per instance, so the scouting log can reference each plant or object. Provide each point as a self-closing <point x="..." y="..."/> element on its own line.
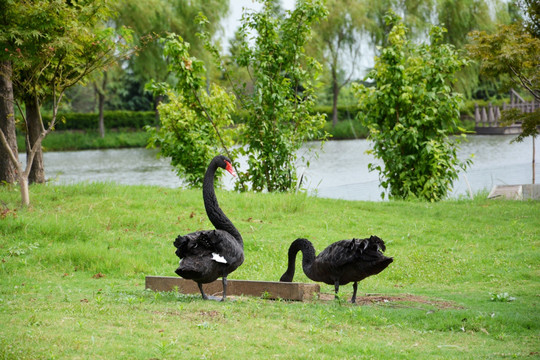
<point x="209" y="254"/>
<point x="340" y="263"/>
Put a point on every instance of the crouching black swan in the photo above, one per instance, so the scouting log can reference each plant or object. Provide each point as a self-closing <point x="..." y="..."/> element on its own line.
<point x="340" y="263"/>
<point x="209" y="254"/>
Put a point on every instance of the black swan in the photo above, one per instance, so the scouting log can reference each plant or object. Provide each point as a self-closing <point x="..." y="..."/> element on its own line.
<point x="340" y="263"/>
<point x="209" y="254"/>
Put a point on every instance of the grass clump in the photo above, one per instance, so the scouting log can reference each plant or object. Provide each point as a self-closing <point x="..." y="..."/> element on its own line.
<point x="72" y="269"/>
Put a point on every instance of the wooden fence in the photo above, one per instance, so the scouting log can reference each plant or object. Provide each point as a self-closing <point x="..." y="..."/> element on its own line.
<point x="487" y="118"/>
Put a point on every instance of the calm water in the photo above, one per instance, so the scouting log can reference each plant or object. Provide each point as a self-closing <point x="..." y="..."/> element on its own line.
<point x="340" y="170"/>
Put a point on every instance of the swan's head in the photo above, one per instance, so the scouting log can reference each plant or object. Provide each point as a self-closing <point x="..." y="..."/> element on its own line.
<point x="225" y="163"/>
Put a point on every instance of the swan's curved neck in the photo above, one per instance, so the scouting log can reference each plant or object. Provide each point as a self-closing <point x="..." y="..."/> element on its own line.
<point x="308" y="257"/>
<point x="215" y="214"/>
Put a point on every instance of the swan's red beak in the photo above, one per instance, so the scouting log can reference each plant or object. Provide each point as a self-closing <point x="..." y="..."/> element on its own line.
<point x="229" y="168"/>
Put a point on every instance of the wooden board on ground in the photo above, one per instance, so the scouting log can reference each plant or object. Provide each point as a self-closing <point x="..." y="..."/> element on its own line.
<point x="267" y="289"/>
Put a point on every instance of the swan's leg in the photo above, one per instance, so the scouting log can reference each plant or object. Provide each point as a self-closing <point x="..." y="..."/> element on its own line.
<point x="336" y="289"/>
<point x="224" y="281"/>
<point x="202" y="292"/>
<point x="355" y="287"/>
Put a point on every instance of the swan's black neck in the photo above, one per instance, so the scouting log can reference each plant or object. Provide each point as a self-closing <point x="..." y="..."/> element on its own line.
<point x="215" y="214"/>
<point x="308" y="257"/>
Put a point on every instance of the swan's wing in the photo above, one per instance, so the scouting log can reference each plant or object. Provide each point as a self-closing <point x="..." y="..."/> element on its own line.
<point x="219" y="245"/>
<point x="196" y="243"/>
<point x="227" y="247"/>
<point x="339" y="253"/>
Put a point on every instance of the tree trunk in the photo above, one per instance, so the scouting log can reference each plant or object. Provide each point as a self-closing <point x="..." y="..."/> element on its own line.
<point x="101" y="104"/>
<point x="7" y="124"/>
<point x="34" y="129"/>
<point x="335" y="93"/>
<point x="25" y="194"/>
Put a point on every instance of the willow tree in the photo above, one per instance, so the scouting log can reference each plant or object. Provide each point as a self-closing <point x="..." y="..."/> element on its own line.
<point x="339" y="37"/>
<point x="164" y="17"/>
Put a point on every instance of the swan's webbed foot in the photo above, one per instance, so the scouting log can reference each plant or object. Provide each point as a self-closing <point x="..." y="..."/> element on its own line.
<point x="204" y="296"/>
<point x="208" y="297"/>
<point x="215" y="298"/>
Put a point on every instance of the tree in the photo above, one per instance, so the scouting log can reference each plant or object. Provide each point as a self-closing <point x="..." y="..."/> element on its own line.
<point x="513" y="52"/>
<point x="279" y="119"/>
<point x="410" y="112"/>
<point x="339" y="36"/>
<point x="164" y="17"/>
<point x="55" y="45"/>
<point x="460" y="17"/>
<point x="416" y="16"/>
<point x="195" y="124"/>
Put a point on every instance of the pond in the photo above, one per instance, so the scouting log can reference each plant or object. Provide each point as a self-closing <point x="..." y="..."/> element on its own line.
<point x="339" y="171"/>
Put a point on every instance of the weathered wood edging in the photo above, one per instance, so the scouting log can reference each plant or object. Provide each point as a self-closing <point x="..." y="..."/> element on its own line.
<point x="266" y="289"/>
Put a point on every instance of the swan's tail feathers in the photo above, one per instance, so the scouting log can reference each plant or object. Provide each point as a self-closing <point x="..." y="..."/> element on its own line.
<point x="182" y="245"/>
<point x="373" y="239"/>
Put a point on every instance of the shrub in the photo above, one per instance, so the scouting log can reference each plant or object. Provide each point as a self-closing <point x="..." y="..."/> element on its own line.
<point x="113" y="120"/>
<point x="410" y="114"/>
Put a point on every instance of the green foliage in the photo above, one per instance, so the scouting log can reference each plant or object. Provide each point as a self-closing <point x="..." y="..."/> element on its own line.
<point x="194" y="123"/>
<point x="163" y="17"/>
<point x="512" y="52"/>
<point x="410" y="114"/>
<point x="530" y="121"/>
<point x="280" y="119"/>
<point x="56" y="44"/>
<point x="337" y="39"/>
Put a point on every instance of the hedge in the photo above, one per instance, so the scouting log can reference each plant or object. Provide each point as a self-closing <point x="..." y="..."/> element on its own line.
<point x="123" y="119"/>
<point x="113" y="120"/>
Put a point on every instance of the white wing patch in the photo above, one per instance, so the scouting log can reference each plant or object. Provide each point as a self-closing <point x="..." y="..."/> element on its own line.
<point x="218" y="258"/>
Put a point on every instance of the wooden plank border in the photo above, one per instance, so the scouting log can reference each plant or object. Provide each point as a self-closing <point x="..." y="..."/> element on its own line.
<point x="268" y="289"/>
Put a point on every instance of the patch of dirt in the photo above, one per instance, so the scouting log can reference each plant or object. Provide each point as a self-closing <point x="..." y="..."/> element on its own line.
<point x="402" y="300"/>
<point x="210" y="314"/>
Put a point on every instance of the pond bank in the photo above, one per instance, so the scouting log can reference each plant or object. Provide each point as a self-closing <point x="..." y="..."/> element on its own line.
<point x="340" y="170"/>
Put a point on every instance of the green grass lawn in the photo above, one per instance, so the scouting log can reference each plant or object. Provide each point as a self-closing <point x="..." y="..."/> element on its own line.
<point x="464" y="283"/>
